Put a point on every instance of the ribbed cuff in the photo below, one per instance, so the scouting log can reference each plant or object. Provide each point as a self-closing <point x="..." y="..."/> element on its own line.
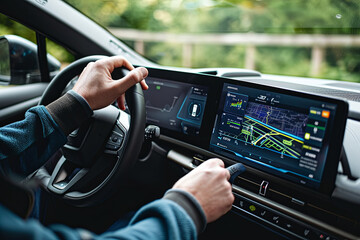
<point x="69" y="111"/>
<point x="83" y="102"/>
<point x="189" y="203"/>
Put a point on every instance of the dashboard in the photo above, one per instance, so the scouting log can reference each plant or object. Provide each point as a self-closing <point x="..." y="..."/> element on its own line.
<point x="289" y="141"/>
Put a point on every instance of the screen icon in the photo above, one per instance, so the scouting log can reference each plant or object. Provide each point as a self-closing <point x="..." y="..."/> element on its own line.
<point x="325" y="114"/>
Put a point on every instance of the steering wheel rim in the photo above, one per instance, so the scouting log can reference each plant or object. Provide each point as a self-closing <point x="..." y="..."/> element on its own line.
<point x="130" y="147"/>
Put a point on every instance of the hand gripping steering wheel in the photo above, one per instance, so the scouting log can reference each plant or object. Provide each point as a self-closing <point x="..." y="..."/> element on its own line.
<point x="100" y="153"/>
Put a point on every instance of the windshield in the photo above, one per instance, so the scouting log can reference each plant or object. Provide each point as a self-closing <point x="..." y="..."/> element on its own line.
<point x="307" y="38"/>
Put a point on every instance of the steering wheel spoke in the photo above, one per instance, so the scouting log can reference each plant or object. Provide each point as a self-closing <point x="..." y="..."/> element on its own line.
<point x="81" y="147"/>
<point x="64" y="176"/>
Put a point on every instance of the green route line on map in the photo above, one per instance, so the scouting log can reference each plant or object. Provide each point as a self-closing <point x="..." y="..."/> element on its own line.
<point x="235" y="123"/>
<point x="263" y="125"/>
<point x="269" y="141"/>
<point x="252" y="133"/>
<point x="268" y="114"/>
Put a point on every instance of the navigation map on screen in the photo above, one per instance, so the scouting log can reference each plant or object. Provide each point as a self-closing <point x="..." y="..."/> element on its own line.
<point x="280" y="133"/>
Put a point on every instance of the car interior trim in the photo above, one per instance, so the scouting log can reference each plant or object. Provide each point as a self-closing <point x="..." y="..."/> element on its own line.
<point x="186" y="161"/>
<point x="305" y="218"/>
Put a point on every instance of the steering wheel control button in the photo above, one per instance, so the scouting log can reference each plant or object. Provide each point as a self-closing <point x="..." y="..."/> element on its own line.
<point x="112" y="147"/>
<point x="115" y="140"/>
<point x="263" y="188"/>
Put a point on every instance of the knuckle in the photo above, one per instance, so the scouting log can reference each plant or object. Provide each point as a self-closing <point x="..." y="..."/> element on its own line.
<point x="214" y="161"/>
<point x="97" y="64"/>
<point x="224" y="173"/>
<point x="90" y="64"/>
<point x="120" y="58"/>
<point x="207" y="172"/>
<point x="209" y="162"/>
<point x="135" y="76"/>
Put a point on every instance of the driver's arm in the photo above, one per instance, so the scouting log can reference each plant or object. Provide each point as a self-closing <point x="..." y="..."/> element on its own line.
<point x="26" y="145"/>
<point x="201" y="196"/>
<point x="165" y="218"/>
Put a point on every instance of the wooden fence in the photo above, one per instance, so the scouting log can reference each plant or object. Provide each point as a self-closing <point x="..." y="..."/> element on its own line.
<point x="318" y="43"/>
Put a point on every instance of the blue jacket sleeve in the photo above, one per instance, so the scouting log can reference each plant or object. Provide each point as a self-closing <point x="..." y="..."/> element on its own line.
<point x="27" y="144"/>
<point x="161" y="219"/>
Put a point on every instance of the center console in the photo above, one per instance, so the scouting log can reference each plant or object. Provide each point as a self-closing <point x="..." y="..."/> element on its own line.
<point x="289" y="141"/>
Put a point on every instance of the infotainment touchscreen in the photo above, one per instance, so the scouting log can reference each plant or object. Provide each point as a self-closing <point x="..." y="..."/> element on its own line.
<point x="174" y="105"/>
<point x="279" y="133"/>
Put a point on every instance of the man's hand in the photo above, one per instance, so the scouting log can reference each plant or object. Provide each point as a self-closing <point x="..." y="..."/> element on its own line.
<point x="209" y="184"/>
<point x="99" y="89"/>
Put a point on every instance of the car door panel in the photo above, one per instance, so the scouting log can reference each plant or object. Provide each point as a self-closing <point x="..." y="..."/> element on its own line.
<point x="14" y="101"/>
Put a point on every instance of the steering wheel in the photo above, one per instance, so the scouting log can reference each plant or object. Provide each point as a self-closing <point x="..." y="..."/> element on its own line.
<point x="100" y="153"/>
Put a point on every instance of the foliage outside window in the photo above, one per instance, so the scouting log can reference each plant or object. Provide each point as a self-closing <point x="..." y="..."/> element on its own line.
<point x="325" y="18"/>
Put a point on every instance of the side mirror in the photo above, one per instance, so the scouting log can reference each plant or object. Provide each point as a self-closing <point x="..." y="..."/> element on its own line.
<point x="19" y="61"/>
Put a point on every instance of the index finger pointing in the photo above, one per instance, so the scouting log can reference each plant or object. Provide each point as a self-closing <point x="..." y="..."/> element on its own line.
<point x="131" y="79"/>
<point x="220" y="162"/>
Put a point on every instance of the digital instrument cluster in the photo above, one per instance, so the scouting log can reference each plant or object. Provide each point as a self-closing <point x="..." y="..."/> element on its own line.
<point x="174" y="105"/>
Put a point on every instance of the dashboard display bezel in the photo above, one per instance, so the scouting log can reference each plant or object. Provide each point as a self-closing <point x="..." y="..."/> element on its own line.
<point x="335" y="143"/>
<point x="215" y="86"/>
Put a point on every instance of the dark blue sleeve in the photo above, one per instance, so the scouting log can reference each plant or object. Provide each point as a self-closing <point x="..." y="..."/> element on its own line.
<point x="160" y="220"/>
<point x="26" y="145"/>
<point x="14" y="227"/>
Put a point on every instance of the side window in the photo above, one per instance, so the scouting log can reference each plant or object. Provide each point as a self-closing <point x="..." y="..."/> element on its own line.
<point x="19" y="62"/>
<point x="4" y="63"/>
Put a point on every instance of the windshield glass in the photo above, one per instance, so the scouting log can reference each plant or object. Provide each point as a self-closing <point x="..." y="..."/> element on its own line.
<point x="307" y="38"/>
